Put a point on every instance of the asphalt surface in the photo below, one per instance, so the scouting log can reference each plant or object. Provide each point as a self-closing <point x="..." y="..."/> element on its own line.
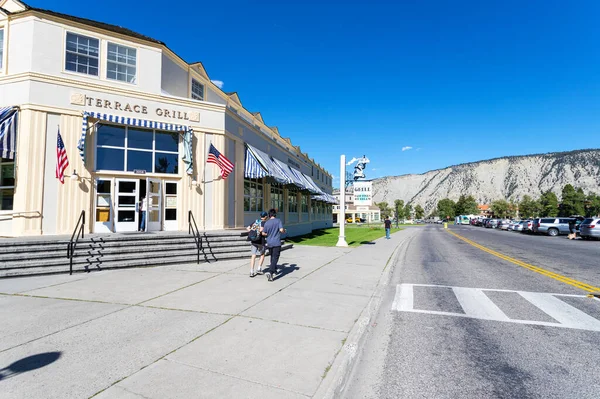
<point x="457" y="321"/>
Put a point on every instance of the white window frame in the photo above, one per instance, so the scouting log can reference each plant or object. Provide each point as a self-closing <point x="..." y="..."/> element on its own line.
<point x="256" y="192"/>
<point x="277" y="200"/>
<point x="116" y="62"/>
<point x="66" y="51"/>
<point x="126" y="148"/>
<point x="8" y="162"/>
<point x="194" y="95"/>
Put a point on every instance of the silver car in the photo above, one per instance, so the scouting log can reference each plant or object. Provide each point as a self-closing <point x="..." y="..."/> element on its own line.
<point x="551" y="226"/>
<point x="590" y="228"/>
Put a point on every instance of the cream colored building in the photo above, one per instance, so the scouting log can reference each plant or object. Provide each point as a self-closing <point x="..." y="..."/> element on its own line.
<point x="136" y="121"/>
<point x="368" y="213"/>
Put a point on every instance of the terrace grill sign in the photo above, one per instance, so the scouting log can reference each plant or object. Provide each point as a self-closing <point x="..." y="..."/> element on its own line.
<point x="363" y="193"/>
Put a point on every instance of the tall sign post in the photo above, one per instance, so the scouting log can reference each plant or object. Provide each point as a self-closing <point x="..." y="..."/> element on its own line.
<point x="342" y="215"/>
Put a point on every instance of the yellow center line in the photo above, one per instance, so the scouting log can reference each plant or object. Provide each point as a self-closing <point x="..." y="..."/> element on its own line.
<point x="547" y="273"/>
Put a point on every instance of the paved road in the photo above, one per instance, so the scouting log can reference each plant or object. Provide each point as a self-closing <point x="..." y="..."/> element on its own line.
<point x="457" y="321"/>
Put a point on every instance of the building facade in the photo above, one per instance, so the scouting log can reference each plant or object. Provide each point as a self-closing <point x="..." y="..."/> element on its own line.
<point x="137" y="121"/>
<point x="365" y="213"/>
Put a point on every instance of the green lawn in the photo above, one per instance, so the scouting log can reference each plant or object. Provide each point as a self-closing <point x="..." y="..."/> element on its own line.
<point x="355" y="236"/>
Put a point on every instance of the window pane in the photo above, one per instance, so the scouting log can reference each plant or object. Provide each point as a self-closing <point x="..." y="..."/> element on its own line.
<point x="103" y="186"/>
<point x="170" y="214"/>
<point x="6" y="199"/>
<point x="127" y="187"/>
<point x="139" y="160"/>
<point x="138" y="138"/>
<point x="171" y="188"/>
<point x="111" y="135"/>
<point x="166" y="141"/>
<point x="166" y="163"/>
<point x="1" y="46"/>
<point x="110" y="159"/>
<point x="7" y="174"/>
<point x="197" y="90"/>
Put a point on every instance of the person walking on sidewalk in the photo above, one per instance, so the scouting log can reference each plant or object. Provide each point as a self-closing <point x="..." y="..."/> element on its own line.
<point x="272" y="231"/>
<point x="258" y="244"/>
<point x="388" y="225"/>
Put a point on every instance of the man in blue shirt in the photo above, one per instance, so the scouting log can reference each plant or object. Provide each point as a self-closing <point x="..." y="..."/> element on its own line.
<point x="272" y="230"/>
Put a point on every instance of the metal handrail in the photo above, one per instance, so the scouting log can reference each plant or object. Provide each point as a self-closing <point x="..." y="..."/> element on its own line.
<point x="73" y="242"/>
<point x="193" y="228"/>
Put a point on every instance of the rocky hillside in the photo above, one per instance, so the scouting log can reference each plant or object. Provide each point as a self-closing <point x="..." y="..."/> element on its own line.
<point x="500" y="178"/>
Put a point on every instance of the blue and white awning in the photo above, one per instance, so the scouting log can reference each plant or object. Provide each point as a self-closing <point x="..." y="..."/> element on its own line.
<point x="8" y="132"/>
<point x="328" y="198"/>
<point x="313" y="185"/>
<point x="292" y="173"/>
<point x="186" y="130"/>
<point x="252" y="167"/>
<point x="270" y="166"/>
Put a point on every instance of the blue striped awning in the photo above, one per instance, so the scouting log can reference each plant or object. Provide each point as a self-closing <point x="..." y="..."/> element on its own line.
<point x="252" y="167"/>
<point x="270" y="166"/>
<point x="8" y="131"/>
<point x="295" y="174"/>
<point x="328" y="198"/>
<point x="123" y="120"/>
<point x="312" y="184"/>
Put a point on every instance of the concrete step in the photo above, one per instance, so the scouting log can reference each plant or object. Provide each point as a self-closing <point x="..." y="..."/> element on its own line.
<point x="64" y="268"/>
<point x="150" y="247"/>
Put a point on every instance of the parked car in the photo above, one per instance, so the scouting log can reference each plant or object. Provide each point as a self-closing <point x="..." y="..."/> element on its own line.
<point x="551" y="226"/>
<point x="356" y="220"/>
<point x="519" y="226"/>
<point x="493" y="223"/>
<point x="590" y="228"/>
<point x="503" y="224"/>
<point x="527" y="226"/>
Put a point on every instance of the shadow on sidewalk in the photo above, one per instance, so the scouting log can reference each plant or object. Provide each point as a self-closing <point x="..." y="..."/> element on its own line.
<point x="29" y="363"/>
<point x="286" y="269"/>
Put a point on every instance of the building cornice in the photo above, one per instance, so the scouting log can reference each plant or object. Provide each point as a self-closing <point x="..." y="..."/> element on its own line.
<point x="77" y="84"/>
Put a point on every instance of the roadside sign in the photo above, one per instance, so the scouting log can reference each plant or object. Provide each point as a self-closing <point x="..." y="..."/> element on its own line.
<point x="363" y="194"/>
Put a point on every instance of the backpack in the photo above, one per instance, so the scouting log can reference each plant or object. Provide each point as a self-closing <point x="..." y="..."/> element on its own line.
<point x="254" y="235"/>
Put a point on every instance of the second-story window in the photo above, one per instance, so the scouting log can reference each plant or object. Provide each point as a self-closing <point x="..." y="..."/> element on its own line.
<point x="1" y="46"/>
<point x="82" y="54"/>
<point x="121" y="63"/>
<point x="197" y="90"/>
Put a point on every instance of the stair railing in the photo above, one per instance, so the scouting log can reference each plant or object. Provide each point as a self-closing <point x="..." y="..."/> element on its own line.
<point x="193" y="229"/>
<point x="73" y="242"/>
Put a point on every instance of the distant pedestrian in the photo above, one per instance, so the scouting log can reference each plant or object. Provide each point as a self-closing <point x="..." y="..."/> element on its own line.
<point x="143" y="206"/>
<point x="257" y="242"/>
<point x="388" y="225"/>
<point x="272" y="231"/>
<point x="572" y="229"/>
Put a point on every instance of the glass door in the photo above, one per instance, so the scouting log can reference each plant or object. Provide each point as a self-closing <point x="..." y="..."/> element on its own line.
<point x="127" y="197"/>
<point x="171" y="205"/>
<point x="104" y="204"/>
<point x="154" y="195"/>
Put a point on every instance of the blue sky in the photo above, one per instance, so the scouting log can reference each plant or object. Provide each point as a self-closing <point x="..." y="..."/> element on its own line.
<point x="456" y="81"/>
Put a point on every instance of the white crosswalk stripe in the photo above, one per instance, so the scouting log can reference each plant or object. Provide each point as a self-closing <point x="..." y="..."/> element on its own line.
<point x="476" y="304"/>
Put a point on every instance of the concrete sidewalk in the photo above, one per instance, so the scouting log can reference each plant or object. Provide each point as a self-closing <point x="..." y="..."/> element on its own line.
<point x="193" y="331"/>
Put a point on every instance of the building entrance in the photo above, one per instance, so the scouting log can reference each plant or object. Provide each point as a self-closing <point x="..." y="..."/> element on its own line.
<point x="130" y="205"/>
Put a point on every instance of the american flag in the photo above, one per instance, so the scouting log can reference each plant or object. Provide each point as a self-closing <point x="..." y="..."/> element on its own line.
<point x="217" y="158"/>
<point x="61" y="159"/>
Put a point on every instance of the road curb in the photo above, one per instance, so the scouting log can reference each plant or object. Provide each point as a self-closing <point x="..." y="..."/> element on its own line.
<point x="337" y="377"/>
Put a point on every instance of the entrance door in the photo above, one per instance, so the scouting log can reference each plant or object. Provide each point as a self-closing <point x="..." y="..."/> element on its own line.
<point x="126" y="193"/>
<point x="154" y="220"/>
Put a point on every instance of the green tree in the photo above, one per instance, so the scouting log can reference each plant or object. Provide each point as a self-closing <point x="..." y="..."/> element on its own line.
<point x="579" y="202"/>
<point x="568" y="200"/>
<point x="469" y="206"/>
<point x="501" y="208"/>
<point x="548" y="204"/>
<point x="384" y="209"/>
<point x="446" y="208"/>
<point x="399" y="208"/>
<point x="408" y="211"/>
<point x="528" y="207"/>
<point x="592" y="205"/>
<point x="419" y="212"/>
